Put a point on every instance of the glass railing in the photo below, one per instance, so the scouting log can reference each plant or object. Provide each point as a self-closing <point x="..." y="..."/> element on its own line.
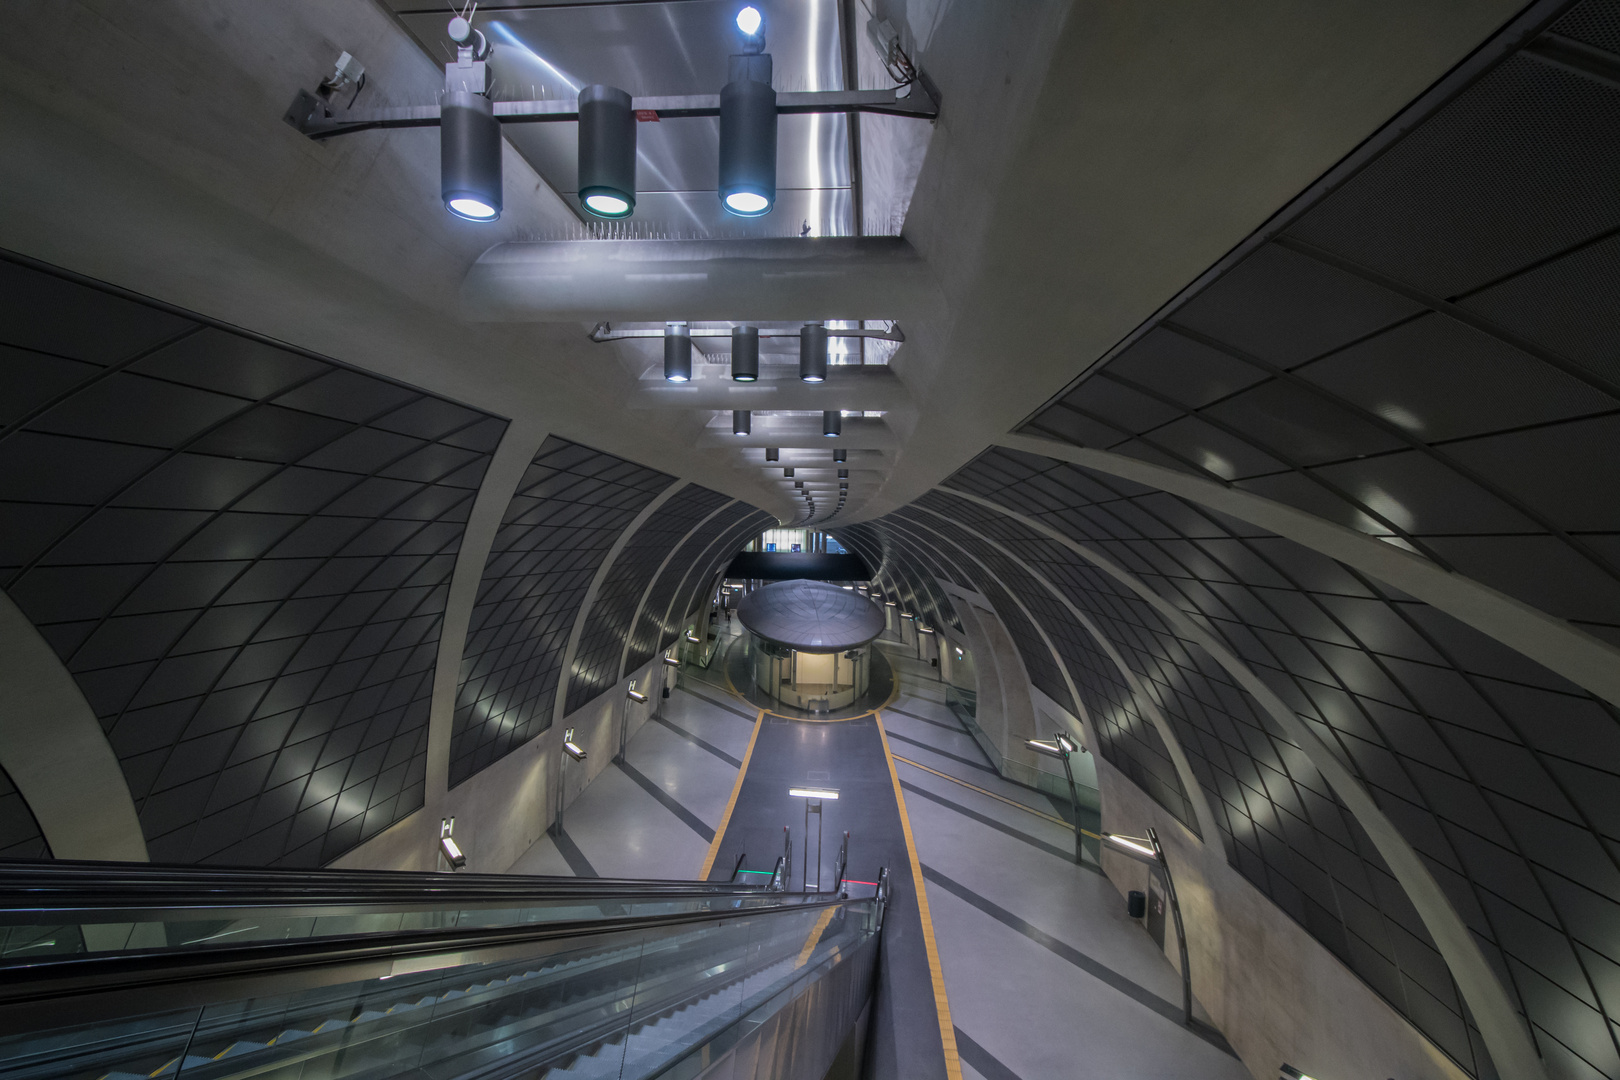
<point x="614" y="986"/>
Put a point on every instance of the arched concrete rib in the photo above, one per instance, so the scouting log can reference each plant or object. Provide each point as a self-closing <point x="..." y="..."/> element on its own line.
<point x="1559" y="646"/>
<point x="53" y="748"/>
<point x="560" y="708"/>
<point x="1506" y="1036"/>
<point x="511" y="460"/>
<point x="635" y="619"/>
<point x="1172" y="744"/>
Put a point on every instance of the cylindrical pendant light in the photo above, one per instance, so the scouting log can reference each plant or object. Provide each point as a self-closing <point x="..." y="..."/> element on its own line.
<point x="742" y="421"/>
<point x="840" y="455"/>
<point x="470" y="156"/>
<point x="788" y="472"/>
<point x="843" y="474"/>
<point x="745" y="354"/>
<point x="772" y="454"/>
<point x="813" y="352"/>
<point x="832" y="423"/>
<point x="748" y="138"/>
<point x="677" y="352"/>
<point x="607" y="152"/>
<point x="798" y="485"/>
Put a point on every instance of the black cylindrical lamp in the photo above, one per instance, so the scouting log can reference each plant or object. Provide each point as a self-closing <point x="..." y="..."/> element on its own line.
<point x="772" y="454"/>
<point x="745" y="354"/>
<point x="798" y="485"/>
<point x="788" y="472"/>
<point x="470" y="156"/>
<point x="748" y="139"/>
<point x="677" y="353"/>
<point x="813" y="352"/>
<point x="607" y="152"/>
<point x="742" y="421"/>
<point x="840" y="456"/>
<point x="832" y="423"/>
<point x="843" y="474"/>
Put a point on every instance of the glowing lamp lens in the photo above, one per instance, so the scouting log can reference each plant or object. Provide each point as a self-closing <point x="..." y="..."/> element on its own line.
<point x="472" y="209"/>
<point x="748" y="20"/>
<point x="607" y="205"/>
<point x="747" y="202"/>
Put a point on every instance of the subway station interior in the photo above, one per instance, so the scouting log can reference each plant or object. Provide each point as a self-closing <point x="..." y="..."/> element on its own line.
<point x="810" y="540"/>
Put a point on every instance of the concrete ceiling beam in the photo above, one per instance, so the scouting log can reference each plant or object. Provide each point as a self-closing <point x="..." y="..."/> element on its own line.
<point x="835" y="277"/>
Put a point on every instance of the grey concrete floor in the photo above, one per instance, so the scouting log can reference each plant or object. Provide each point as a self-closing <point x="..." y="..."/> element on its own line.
<point x="1047" y="976"/>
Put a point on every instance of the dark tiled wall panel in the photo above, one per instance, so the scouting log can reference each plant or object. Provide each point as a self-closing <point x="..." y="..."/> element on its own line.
<point x="693" y="594"/>
<point x="914" y="579"/>
<point x="651" y="632"/>
<point x="1501" y="775"/>
<point x="242" y="554"/>
<point x="607" y="624"/>
<point x="20" y="837"/>
<point x="1426" y="355"/>
<point x="569" y="508"/>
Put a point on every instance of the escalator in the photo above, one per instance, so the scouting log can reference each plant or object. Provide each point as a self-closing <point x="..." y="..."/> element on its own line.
<point x="138" y="972"/>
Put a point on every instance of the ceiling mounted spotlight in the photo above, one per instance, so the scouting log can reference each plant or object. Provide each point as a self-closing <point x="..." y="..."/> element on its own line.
<point x="832" y="423"/>
<point x="677" y="353"/>
<point x="843" y="474"/>
<point x="470" y="156"/>
<point x="840" y="456"/>
<point x="772" y="454"/>
<point x="788" y="472"/>
<point x="745" y="354"/>
<point x="607" y="152"/>
<point x="748" y="125"/>
<point x="813" y="352"/>
<point x="799" y="485"/>
<point x="742" y="421"/>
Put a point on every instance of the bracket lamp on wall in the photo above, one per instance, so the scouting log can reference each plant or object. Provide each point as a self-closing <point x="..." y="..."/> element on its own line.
<point x="677" y="353"/>
<point x="693" y="638"/>
<point x="671" y="661"/>
<point x="745" y="354"/>
<point x="607" y="152"/>
<point x="572" y="748"/>
<point x="636" y="696"/>
<point x="448" y="847"/>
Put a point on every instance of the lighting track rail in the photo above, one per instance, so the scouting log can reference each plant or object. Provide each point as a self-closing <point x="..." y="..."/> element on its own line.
<point x="604" y="332"/>
<point x="314" y="117"/>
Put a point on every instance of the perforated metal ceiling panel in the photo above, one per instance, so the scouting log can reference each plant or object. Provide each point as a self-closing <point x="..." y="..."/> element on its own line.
<point x="607" y="624"/>
<point x="20" y="837"/>
<point x="241" y="553"/>
<point x="1501" y="775"/>
<point x="1427" y="354"/>
<point x="568" y="510"/>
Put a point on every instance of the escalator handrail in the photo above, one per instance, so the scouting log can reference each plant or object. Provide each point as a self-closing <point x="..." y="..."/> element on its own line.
<point x="45" y="890"/>
<point x="158" y="979"/>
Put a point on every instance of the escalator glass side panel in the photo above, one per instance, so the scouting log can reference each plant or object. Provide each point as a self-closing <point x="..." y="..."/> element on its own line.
<point x="605" y="1002"/>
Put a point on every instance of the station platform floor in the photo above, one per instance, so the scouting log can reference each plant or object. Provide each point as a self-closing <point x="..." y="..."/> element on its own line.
<point x="1044" y="974"/>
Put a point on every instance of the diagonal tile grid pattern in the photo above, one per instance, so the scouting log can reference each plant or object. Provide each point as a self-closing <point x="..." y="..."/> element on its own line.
<point x="241" y="553"/>
<point x="20" y="837"/>
<point x="608" y="623"/>
<point x="569" y="508"/>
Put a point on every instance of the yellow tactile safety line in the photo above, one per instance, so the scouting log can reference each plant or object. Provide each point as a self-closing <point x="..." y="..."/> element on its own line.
<point x="731" y="803"/>
<point x="993" y="795"/>
<point x="947" y="1031"/>
<point x="815" y="936"/>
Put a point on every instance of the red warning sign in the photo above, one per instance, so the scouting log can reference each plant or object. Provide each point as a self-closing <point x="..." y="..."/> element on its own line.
<point x="647" y="116"/>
